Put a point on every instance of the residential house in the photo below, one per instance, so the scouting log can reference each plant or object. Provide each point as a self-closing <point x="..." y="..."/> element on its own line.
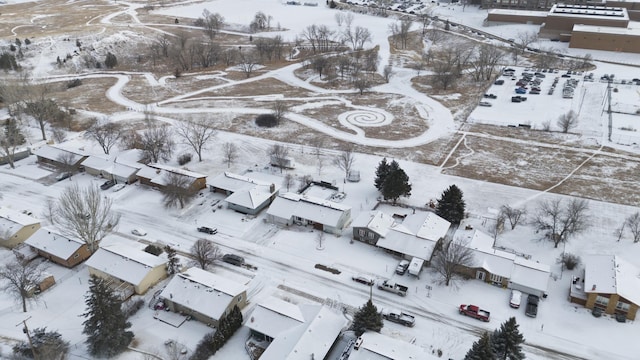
<point x="129" y="268"/>
<point x="205" y="296"/>
<point x="370" y="226"/>
<point x="111" y="169"/>
<point x="503" y="268"/>
<point x="60" y="158"/>
<point x="248" y="193"/>
<point x="15" y="227"/>
<point x="156" y="175"/>
<point x="58" y="248"/>
<point x="373" y="345"/>
<point x="19" y="154"/>
<point x="291" y="208"/>
<point x="609" y="283"/>
<point x="294" y="332"/>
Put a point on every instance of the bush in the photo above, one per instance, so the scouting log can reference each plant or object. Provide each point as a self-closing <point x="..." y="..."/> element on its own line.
<point x="184" y="158"/>
<point x="73" y="83"/>
<point x="267" y="120"/>
<point x="569" y="261"/>
<point x="27" y="41"/>
<point x="110" y="61"/>
<point x="131" y="307"/>
<point x="152" y="249"/>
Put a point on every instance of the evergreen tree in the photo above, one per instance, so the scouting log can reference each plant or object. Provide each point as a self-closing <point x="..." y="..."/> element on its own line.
<point x="451" y="205"/>
<point x="507" y="341"/>
<point x="236" y="316"/>
<point x="481" y="349"/>
<point x="381" y="173"/>
<point x="12" y="133"/>
<point x="396" y="184"/>
<point x="204" y="348"/>
<point x="106" y="324"/>
<point x="110" y="61"/>
<point x="173" y="263"/>
<point x="367" y="318"/>
<point x="47" y="345"/>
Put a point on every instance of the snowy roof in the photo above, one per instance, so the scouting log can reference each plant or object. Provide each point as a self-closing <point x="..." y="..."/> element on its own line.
<point x="606" y="30"/>
<point x="312" y="339"/>
<point x="610" y="274"/>
<point x="582" y="11"/>
<point x="274" y="316"/>
<point x="110" y="165"/>
<point x="148" y="172"/>
<point x="11" y="221"/>
<point x="307" y="207"/>
<point x="407" y="244"/>
<point x="56" y="153"/>
<point x="97" y="162"/>
<point x="416" y="235"/>
<point x="518" y="12"/>
<point x="175" y="170"/>
<point x="53" y="243"/>
<point x="202" y="291"/>
<point x="248" y="191"/>
<point x="531" y="274"/>
<point x="375" y="220"/>
<point x="125" y="262"/>
<point x="377" y="346"/>
<point x="475" y="239"/>
<point x="493" y="263"/>
<point x="433" y="227"/>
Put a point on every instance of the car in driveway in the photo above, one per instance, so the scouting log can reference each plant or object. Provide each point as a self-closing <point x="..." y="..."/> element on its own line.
<point x="138" y="232"/>
<point x="516" y="297"/>
<point x="208" y="230"/>
<point x="402" y="267"/>
<point x="107" y="184"/>
<point x="233" y="259"/>
<point x="118" y="187"/>
<point x="62" y="176"/>
<point x="532" y="305"/>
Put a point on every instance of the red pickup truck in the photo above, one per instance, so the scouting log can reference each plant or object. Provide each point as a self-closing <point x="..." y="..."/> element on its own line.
<point x="474" y="312"/>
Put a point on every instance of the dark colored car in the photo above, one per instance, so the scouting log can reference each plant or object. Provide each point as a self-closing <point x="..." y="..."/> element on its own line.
<point x="108" y="184"/>
<point x="233" y="259"/>
<point x="208" y="230"/>
<point x="532" y="305"/>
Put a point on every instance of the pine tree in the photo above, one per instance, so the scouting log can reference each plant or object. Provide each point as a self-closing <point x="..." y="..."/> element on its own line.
<point x="396" y="184"/>
<point x="367" y="318"/>
<point x="47" y="344"/>
<point x="507" y="341"/>
<point x="381" y="173"/>
<point x="12" y="133"/>
<point x="481" y="349"/>
<point x="110" y="61"/>
<point x="236" y="316"/>
<point x="106" y="324"/>
<point x="451" y="205"/>
<point x="173" y="263"/>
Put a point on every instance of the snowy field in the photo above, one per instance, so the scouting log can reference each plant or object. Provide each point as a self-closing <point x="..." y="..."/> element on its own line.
<point x="285" y="258"/>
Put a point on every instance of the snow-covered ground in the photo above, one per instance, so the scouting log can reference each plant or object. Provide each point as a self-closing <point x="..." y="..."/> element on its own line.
<point x="285" y="258"/>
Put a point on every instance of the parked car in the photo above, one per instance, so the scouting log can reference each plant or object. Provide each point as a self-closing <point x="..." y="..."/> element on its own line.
<point x="491" y="96"/>
<point x="516" y="297"/>
<point x="402" y="267"/>
<point x="363" y="279"/>
<point x="499" y="82"/>
<point x="107" y="184"/>
<point x="138" y="232"/>
<point x="233" y="259"/>
<point x="532" y="305"/>
<point x="484" y="103"/>
<point x="398" y="316"/>
<point x="208" y="230"/>
<point x="62" y="176"/>
<point x="475" y="312"/>
<point x="521" y="91"/>
<point x="118" y="187"/>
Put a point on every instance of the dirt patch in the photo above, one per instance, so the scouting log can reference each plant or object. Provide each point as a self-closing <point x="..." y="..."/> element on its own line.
<point x="89" y="96"/>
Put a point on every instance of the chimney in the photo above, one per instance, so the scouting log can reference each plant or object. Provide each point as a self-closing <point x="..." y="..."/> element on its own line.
<point x="272" y="188"/>
<point x="593" y="288"/>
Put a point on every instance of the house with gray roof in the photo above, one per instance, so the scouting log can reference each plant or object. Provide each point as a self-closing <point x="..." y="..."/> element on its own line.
<point x="321" y="214"/>
<point x="249" y="193"/>
<point x="59" y="157"/>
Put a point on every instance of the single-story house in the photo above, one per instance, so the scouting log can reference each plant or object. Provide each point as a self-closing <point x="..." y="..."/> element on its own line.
<point x="205" y="296"/>
<point x="131" y="269"/>
<point x="416" y="236"/>
<point x="59" y="157"/>
<point x="58" y="248"/>
<point x="370" y="226"/>
<point x="373" y="345"/>
<point x="291" y="208"/>
<point x="111" y="169"/>
<point x="248" y="193"/>
<point x="16" y="227"/>
<point x="610" y="283"/>
<point x="156" y="175"/>
<point x="503" y="268"/>
<point x="294" y="332"/>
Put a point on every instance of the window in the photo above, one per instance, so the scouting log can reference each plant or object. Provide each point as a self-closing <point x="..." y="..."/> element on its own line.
<point x="76" y="255"/>
<point x="362" y="233"/>
<point x="371" y="235"/>
<point x="621" y="306"/>
<point x="602" y="301"/>
<point x="496" y="278"/>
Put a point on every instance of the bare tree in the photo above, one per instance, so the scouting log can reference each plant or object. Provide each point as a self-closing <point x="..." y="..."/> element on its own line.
<point x="279" y="156"/>
<point x="163" y="44"/>
<point x="197" y="134"/>
<point x="345" y="159"/>
<point x="485" y="60"/>
<point x="633" y="222"/>
<point x="40" y="106"/>
<point x="11" y="139"/>
<point x="279" y="108"/>
<point x="260" y="22"/>
<point x="106" y="133"/>
<point x="204" y="253"/>
<point x="362" y="84"/>
<point x="450" y="260"/>
<point x="387" y="73"/>
<point x="21" y="277"/>
<point x="497" y="226"/>
<point x="66" y="162"/>
<point x="524" y="39"/>
<point x="568" y="121"/>
<point x="514" y="215"/>
<point x="212" y="23"/>
<point x="304" y="182"/>
<point x="157" y="144"/>
<point x="85" y="214"/>
<point x="248" y="62"/>
<point x="560" y="222"/>
<point x="230" y="153"/>
<point x="288" y="181"/>
<point x="357" y="37"/>
<point x="177" y="190"/>
<point x="400" y="32"/>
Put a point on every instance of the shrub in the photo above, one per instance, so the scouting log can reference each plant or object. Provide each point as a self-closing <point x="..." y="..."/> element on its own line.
<point x="27" y="41"/>
<point x="73" y="83"/>
<point x="267" y="120"/>
<point x="569" y="261"/>
<point x="131" y="307"/>
<point x="184" y="158"/>
<point x="110" y="61"/>
<point x="152" y="249"/>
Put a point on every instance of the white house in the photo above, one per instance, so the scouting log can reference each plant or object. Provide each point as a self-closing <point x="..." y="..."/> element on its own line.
<point x="16" y="227"/>
<point x="205" y="296"/>
<point x="291" y="208"/>
<point x="248" y="193"/>
<point x="112" y="169"/>
<point x="59" y="157"/>
<point x="373" y="345"/>
<point x="294" y="332"/>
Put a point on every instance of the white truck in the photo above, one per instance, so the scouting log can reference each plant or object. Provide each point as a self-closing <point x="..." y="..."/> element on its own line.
<point x="399" y="317"/>
<point x="390" y="286"/>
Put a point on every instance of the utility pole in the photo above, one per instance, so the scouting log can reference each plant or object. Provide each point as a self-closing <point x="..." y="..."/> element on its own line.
<point x="25" y="330"/>
<point x="609" y="107"/>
